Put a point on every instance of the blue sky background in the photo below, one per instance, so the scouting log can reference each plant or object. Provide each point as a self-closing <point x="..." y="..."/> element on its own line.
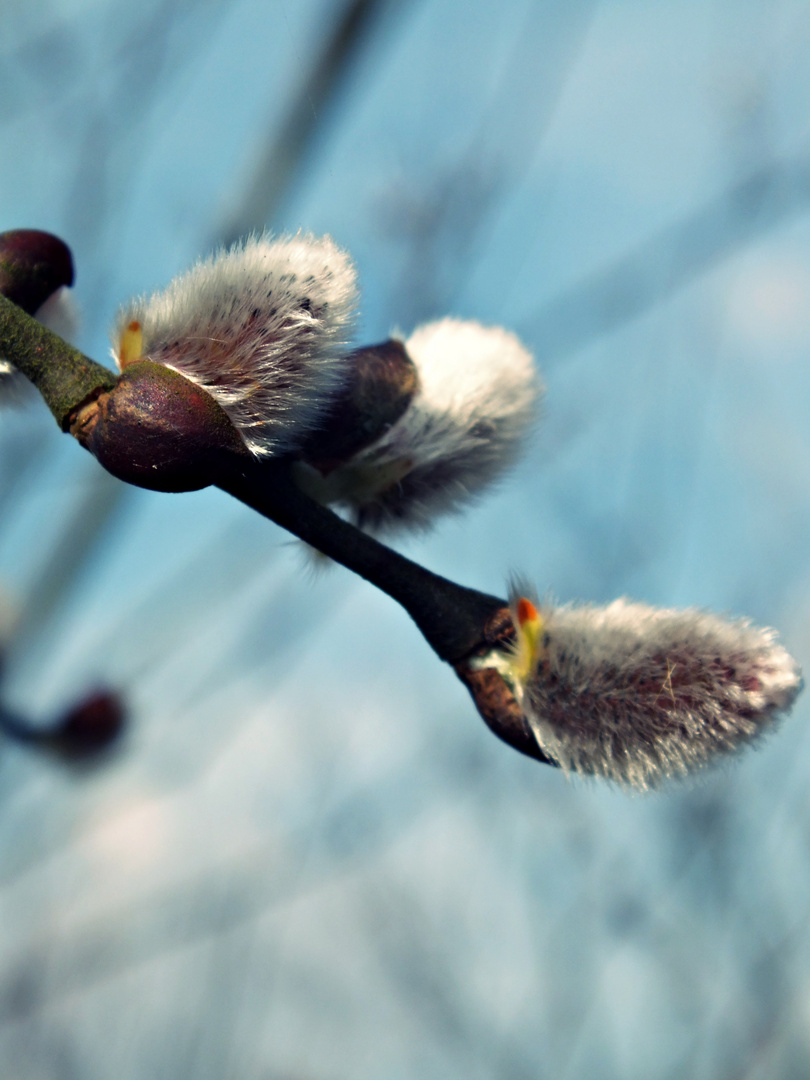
<point x="311" y="859"/>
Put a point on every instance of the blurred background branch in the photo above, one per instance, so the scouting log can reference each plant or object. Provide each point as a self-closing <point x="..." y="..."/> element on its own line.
<point x="766" y="199"/>
<point x="319" y="90"/>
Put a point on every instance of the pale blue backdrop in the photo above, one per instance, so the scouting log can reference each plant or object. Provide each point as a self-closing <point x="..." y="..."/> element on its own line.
<point x="311" y="860"/>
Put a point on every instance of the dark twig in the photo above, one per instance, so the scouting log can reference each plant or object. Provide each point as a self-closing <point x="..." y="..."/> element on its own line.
<point x="449" y="616"/>
<point x="458" y="623"/>
<point x="143" y="443"/>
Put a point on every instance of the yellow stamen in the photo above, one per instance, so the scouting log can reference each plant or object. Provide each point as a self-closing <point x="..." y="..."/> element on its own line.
<point x="529" y="629"/>
<point x="130" y="347"/>
<point x="518" y="661"/>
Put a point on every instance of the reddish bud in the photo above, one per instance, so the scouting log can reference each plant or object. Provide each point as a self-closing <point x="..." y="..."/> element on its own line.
<point x="33" y="265"/>
<point x="86" y="730"/>
<point x="157" y="430"/>
<point x="89" y="728"/>
<point x="380" y="382"/>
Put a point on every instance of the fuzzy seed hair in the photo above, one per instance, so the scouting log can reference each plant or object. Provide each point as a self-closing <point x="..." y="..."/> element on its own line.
<point x="262" y="327"/>
<point x="638" y="694"/>
<point x="476" y="398"/>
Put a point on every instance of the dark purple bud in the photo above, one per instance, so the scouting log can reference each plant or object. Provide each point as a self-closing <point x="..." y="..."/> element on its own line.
<point x="157" y="430"/>
<point x="381" y="382"/>
<point x="89" y="728"/>
<point x="33" y="265"/>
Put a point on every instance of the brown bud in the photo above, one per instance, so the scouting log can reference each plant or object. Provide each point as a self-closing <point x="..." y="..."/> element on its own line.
<point x="85" y="731"/>
<point x="33" y="265"/>
<point x="493" y="698"/>
<point x="89" y="728"/>
<point x="381" y="382"/>
<point x="157" y="430"/>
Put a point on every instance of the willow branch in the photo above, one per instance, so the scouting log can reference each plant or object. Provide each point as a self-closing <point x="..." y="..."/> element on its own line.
<point x="458" y="623"/>
<point x="449" y="615"/>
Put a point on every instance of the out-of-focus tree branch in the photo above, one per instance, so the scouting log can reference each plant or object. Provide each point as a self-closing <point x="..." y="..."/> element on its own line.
<point x="671" y="259"/>
<point x="282" y="155"/>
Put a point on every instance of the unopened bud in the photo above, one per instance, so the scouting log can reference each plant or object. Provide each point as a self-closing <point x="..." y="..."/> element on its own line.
<point x="33" y="265"/>
<point x="157" y="430"/>
<point x="90" y="727"/>
<point x="86" y="730"/>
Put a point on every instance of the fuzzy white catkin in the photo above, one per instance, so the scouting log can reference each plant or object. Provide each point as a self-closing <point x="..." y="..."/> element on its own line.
<point x="262" y="327"/>
<point x="638" y="694"/>
<point x="476" y="398"/>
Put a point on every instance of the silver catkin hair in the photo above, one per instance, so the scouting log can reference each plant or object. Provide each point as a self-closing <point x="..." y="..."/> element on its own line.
<point x="637" y="694"/>
<point x="262" y="327"/>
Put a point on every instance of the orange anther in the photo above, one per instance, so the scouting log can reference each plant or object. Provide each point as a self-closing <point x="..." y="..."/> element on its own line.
<point x="526" y="611"/>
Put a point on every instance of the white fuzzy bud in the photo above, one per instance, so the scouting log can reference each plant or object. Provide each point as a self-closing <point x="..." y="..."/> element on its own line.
<point x="261" y="327"/>
<point x="475" y="400"/>
<point x="638" y="694"/>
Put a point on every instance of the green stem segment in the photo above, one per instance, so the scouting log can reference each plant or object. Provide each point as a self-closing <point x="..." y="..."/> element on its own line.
<point x="65" y="377"/>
